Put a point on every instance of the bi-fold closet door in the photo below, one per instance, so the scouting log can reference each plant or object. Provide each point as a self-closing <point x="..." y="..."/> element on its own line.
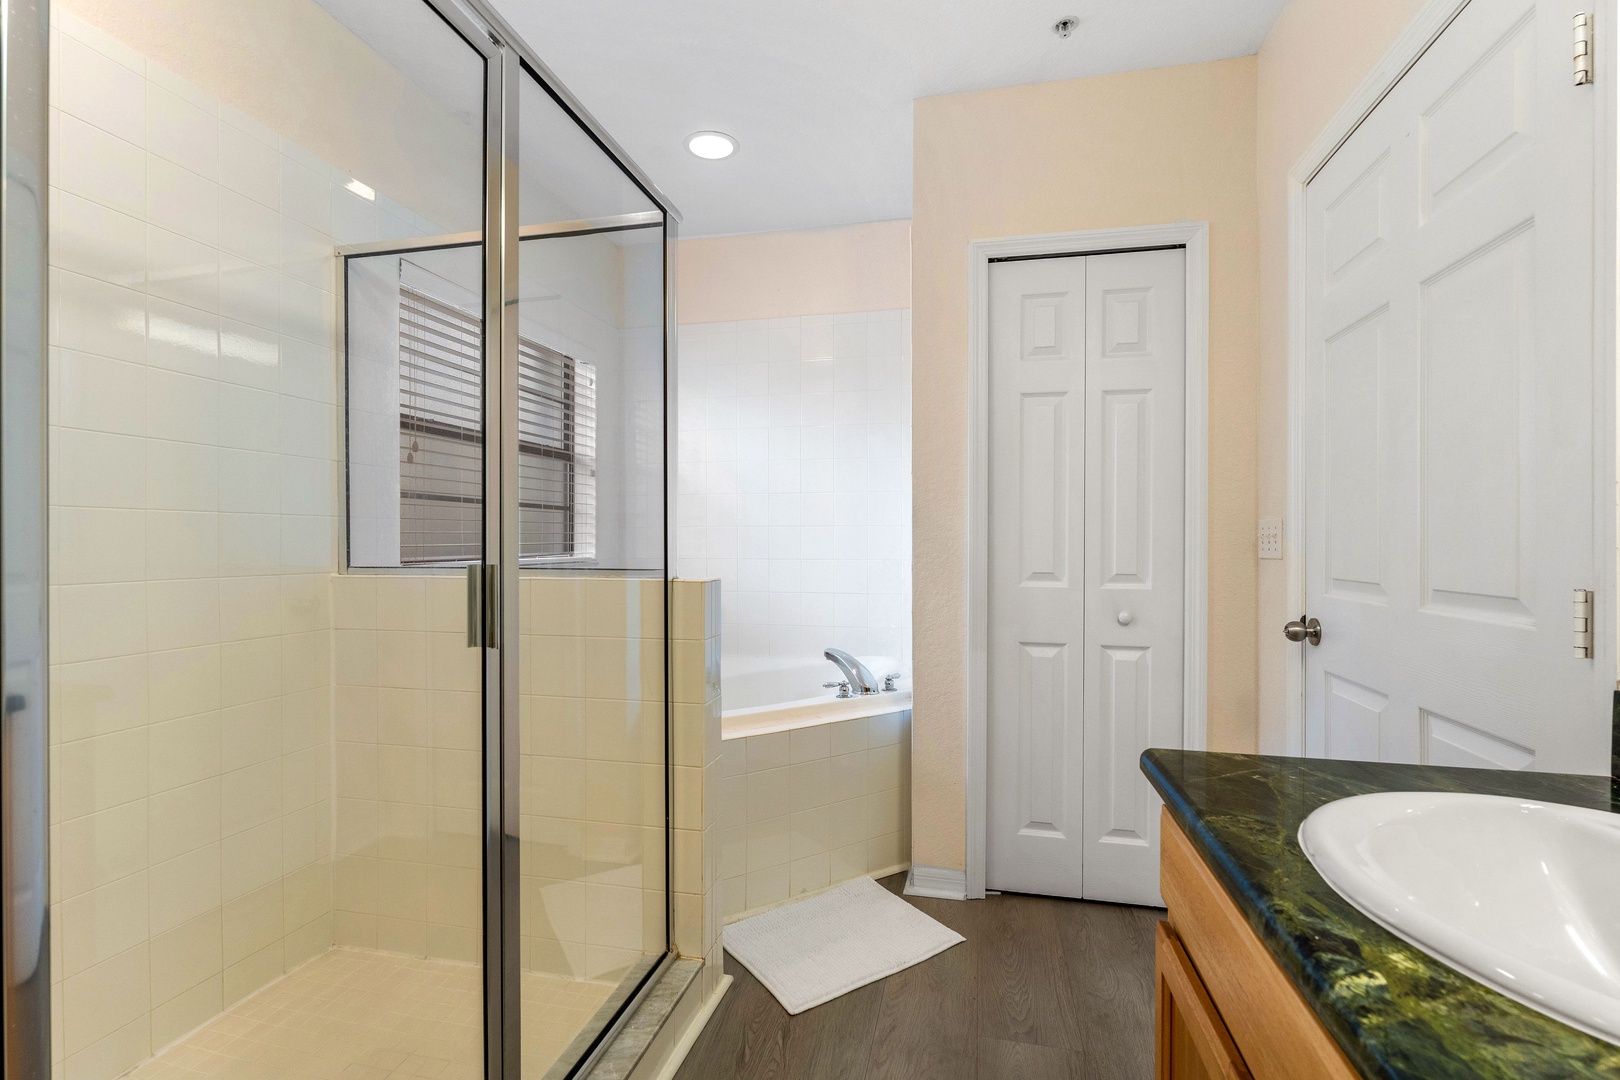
<point x="1086" y="502"/>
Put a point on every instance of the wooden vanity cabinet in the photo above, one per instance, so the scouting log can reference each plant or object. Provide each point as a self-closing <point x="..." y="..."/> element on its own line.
<point x="1224" y="1009"/>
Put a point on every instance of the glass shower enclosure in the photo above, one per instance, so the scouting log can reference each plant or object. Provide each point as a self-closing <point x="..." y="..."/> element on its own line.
<point x="357" y="347"/>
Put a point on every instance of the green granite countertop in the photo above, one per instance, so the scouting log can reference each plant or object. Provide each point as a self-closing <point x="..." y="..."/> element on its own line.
<point x="1395" y="1011"/>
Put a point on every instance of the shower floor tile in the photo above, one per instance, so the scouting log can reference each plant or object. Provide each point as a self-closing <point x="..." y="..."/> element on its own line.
<point x="351" y="1014"/>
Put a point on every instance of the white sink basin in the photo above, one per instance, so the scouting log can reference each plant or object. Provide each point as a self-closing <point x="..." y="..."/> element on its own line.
<point x="1523" y="896"/>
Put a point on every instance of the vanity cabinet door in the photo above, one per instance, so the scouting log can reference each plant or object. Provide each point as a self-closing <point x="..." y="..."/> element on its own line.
<point x="1190" y="1038"/>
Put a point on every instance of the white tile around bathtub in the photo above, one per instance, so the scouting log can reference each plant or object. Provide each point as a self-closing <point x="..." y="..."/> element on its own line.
<point x="810" y="831"/>
<point x="809" y="784"/>
<point x="769" y="794"/>
<point x="888" y="728"/>
<point x="849" y="861"/>
<point x="769" y="843"/>
<point x="809" y="744"/>
<point x="809" y="874"/>
<point x="804" y="471"/>
<point x="769" y="752"/>
<point x="848" y="822"/>
<point x="846" y="776"/>
<point x="847" y="737"/>
<point x="768" y="886"/>
<point x="734" y="757"/>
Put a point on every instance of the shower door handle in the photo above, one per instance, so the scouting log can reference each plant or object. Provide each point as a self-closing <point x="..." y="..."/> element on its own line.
<point x="483" y="605"/>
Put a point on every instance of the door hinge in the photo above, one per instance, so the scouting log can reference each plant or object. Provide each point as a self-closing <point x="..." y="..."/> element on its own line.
<point x="1584" y="615"/>
<point x="1584" y="39"/>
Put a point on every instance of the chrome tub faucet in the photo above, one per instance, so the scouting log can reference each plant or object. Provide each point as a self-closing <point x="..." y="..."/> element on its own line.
<point x="858" y="675"/>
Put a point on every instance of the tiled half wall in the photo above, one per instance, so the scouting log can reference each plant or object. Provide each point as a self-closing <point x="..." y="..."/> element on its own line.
<point x="771" y="816"/>
<point x="802" y="810"/>
<point x="591" y="771"/>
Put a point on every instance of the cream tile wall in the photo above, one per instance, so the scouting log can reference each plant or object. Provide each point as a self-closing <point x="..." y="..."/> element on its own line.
<point x="593" y="751"/>
<point x="254" y="756"/>
<point x="409" y="788"/>
<point x="408" y="717"/>
<point x="801" y="810"/>
<point x="591" y="771"/>
<point x="194" y="501"/>
<point x="696" y="749"/>
<point x="795" y="480"/>
<point x="774" y="816"/>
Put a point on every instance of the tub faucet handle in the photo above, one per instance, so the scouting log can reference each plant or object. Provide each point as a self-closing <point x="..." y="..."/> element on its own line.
<point x="843" y="688"/>
<point x="888" y="682"/>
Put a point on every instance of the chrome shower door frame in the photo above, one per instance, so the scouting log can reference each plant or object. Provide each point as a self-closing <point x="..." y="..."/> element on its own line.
<point x="503" y="994"/>
<point x="509" y="60"/>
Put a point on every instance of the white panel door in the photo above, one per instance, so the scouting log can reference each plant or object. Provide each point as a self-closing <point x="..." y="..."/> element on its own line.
<point x="1136" y="361"/>
<point x="1086" y="501"/>
<point x="1449" y="414"/>
<point x="1037" y="554"/>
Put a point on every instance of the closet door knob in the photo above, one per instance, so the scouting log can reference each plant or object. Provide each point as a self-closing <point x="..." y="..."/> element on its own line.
<point x="1303" y="629"/>
<point x="1126" y="618"/>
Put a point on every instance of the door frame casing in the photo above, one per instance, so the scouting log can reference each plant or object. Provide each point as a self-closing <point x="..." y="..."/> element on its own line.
<point x="1193" y="236"/>
<point x="1431" y="21"/>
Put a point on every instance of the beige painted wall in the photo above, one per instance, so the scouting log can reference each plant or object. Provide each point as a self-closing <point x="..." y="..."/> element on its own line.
<point x="1300" y="87"/>
<point x="787" y="274"/>
<point x="1142" y="148"/>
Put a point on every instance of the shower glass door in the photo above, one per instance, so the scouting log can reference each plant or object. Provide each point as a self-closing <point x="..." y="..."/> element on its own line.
<point x="357" y="550"/>
<point x="267" y="736"/>
<point x="589" y="438"/>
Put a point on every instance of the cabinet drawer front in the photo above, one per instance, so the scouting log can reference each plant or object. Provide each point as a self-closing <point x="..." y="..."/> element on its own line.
<point x="1277" y="1034"/>
<point x="1192" y="1042"/>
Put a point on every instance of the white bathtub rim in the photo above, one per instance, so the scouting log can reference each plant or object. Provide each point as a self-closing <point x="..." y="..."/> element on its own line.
<point x="810" y="712"/>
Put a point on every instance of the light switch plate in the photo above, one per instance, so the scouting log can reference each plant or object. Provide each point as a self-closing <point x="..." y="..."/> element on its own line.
<point x="1271" y="536"/>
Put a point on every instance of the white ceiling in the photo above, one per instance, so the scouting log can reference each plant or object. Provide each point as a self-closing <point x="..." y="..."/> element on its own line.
<point x="818" y="93"/>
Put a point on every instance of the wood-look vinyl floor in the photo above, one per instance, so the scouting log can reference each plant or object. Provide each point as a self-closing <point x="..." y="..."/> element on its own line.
<point x="1043" y="989"/>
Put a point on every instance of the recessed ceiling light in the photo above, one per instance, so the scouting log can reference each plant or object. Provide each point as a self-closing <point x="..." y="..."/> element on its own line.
<point x="362" y="190"/>
<point x="712" y="145"/>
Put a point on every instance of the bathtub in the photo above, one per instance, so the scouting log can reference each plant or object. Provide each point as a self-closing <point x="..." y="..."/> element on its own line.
<point x="762" y="695"/>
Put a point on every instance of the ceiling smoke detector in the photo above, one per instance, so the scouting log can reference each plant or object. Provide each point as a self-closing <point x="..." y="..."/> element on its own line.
<point x="1065" y="27"/>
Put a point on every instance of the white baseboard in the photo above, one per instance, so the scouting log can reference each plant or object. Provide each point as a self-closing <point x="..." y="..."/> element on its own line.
<point x="937" y="882"/>
<point x="689" y="1037"/>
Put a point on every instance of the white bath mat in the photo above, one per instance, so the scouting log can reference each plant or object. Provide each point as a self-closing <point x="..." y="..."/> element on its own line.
<point x="810" y="952"/>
